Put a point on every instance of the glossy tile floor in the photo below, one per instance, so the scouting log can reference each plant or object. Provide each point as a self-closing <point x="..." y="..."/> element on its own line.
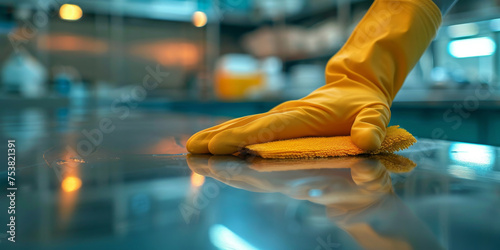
<point x="99" y="180"/>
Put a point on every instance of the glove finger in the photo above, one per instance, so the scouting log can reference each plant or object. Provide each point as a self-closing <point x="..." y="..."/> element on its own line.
<point x="198" y="143"/>
<point x="369" y="128"/>
<point x="276" y="126"/>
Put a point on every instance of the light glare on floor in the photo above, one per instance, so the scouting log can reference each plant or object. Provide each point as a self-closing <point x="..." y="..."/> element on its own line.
<point x="70" y="12"/>
<point x="71" y="183"/>
<point x="472" y="154"/>
<point x="223" y="238"/>
<point x="197" y="180"/>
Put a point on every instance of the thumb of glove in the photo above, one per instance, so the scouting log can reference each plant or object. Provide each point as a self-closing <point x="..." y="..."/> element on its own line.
<point x="369" y="128"/>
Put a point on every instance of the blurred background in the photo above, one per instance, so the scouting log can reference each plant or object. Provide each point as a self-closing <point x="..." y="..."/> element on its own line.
<point x="102" y="95"/>
<point x="236" y="57"/>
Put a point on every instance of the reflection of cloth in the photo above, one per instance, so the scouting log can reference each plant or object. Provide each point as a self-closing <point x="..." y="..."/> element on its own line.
<point x="392" y="162"/>
<point x="357" y="179"/>
<point x="310" y="147"/>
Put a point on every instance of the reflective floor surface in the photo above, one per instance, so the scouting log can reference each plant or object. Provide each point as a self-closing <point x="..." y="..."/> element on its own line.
<point x="103" y="180"/>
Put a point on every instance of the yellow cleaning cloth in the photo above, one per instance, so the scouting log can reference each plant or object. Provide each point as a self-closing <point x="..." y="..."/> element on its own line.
<point x="312" y="147"/>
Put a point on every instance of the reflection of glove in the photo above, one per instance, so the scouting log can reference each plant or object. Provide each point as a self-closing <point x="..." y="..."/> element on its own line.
<point x="359" y="180"/>
<point x="360" y="201"/>
<point x="365" y="175"/>
<point x="362" y="80"/>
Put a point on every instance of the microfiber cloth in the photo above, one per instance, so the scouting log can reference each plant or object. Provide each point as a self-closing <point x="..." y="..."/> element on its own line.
<point x="312" y="147"/>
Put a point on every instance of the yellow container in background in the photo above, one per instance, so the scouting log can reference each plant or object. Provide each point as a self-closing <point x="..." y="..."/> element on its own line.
<point x="237" y="77"/>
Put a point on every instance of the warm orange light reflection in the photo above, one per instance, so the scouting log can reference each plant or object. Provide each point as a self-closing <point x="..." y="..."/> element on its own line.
<point x="71" y="183"/>
<point x="169" y="53"/>
<point x="199" y="19"/>
<point x="167" y="145"/>
<point x="197" y="180"/>
<point x="70" y="12"/>
<point x="72" y="43"/>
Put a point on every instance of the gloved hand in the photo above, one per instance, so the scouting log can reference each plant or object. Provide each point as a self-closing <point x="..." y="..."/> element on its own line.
<point x="362" y="79"/>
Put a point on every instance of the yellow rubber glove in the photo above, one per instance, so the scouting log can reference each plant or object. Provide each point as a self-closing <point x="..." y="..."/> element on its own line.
<point x="362" y="79"/>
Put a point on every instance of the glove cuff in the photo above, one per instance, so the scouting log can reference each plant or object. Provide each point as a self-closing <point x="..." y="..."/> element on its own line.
<point x="385" y="45"/>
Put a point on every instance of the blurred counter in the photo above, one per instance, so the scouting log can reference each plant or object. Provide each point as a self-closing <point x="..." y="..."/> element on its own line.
<point x="467" y="115"/>
<point x="92" y="179"/>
